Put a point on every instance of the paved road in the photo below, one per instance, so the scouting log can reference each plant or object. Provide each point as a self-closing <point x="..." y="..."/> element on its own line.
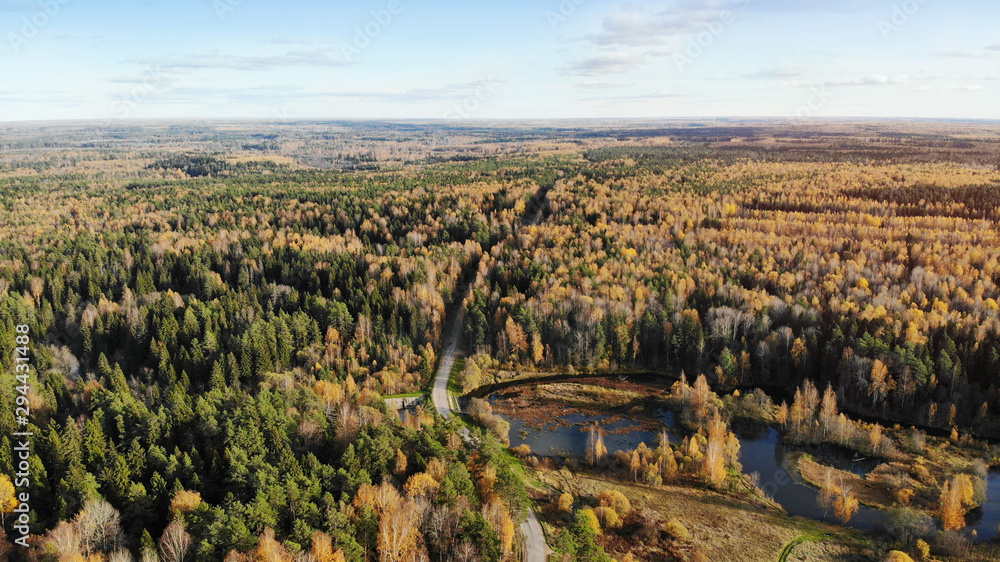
<point x="534" y="540"/>
<point x="442" y="403"/>
<point x="536" y="550"/>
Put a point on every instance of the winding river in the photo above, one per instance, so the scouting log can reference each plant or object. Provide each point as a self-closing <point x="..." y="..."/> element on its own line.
<point x="761" y="451"/>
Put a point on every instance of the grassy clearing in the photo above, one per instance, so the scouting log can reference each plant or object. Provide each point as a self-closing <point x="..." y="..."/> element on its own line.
<point x="587" y="395"/>
<point x="867" y="491"/>
<point x="454" y="388"/>
<point x="408" y="395"/>
<point x="502" y="375"/>
<point x="913" y="477"/>
<point x="787" y="551"/>
<point x="723" y="527"/>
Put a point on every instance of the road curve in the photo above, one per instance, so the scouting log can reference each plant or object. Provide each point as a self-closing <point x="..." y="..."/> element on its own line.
<point x="534" y="538"/>
<point x="536" y="550"/>
<point x="442" y="402"/>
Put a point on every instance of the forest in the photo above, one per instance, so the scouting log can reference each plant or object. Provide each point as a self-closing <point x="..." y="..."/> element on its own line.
<point x="213" y="345"/>
<point x="218" y="311"/>
<point x="764" y="274"/>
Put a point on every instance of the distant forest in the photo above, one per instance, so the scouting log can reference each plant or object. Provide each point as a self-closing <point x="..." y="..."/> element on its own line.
<point x="216" y="322"/>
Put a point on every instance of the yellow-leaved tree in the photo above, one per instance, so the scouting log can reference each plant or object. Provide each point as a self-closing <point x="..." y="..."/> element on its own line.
<point x="8" y="501"/>
<point x="956" y="499"/>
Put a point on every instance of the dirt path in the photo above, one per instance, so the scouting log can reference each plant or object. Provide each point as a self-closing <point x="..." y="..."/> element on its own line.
<point x="787" y="551"/>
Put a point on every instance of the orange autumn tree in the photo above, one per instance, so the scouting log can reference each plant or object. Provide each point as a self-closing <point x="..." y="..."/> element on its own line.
<point x="596" y="450"/>
<point x="184" y="502"/>
<point x="322" y="549"/>
<point x="399" y="531"/>
<point x="845" y="505"/>
<point x="399" y="519"/>
<point x="714" y="461"/>
<point x="956" y="499"/>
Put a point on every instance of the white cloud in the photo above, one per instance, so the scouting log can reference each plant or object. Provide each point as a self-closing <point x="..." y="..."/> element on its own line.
<point x="636" y="26"/>
<point x="951" y="88"/>
<point x="992" y="51"/>
<point x="601" y="85"/>
<point x="634" y="98"/>
<point x="603" y="64"/>
<point x="298" y="57"/>
<point x="781" y="71"/>
<point x="870" y="80"/>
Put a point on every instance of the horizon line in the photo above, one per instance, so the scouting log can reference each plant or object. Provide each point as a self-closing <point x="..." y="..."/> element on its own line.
<point x="485" y="120"/>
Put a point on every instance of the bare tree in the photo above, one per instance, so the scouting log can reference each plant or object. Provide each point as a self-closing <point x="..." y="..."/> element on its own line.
<point x="99" y="527"/>
<point x="348" y="423"/>
<point x="175" y="542"/>
<point x="121" y="555"/>
<point x="726" y="324"/>
<point x="441" y="527"/>
<point x="64" y="540"/>
<point x="466" y="552"/>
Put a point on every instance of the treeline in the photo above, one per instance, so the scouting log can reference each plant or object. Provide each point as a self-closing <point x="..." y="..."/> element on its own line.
<point x="224" y="345"/>
<point x="898" y="313"/>
<point x="206" y="165"/>
<point x="732" y="145"/>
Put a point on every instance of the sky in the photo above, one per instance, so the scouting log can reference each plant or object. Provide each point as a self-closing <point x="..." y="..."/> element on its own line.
<point x="492" y="59"/>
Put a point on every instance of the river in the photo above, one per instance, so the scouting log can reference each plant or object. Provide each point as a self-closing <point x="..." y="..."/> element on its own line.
<point x="761" y="450"/>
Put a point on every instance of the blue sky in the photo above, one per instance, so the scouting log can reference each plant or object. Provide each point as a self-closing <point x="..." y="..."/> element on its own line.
<point x="100" y="59"/>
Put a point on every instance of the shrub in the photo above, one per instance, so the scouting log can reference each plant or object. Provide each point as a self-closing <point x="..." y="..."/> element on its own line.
<point x="924" y="549"/>
<point x="907" y="525"/>
<point x="904" y="496"/>
<point x="566" y="502"/>
<point x="918" y="440"/>
<point x="952" y="543"/>
<point x="676" y="530"/>
<point x="649" y="524"/>
<point x="481" y="411"/>
<point x="608" y="517"/>
<point x="587" y="518"/>
<point x="897" y="556"/>
<point x="522" y="451"/>
<point x="615" y="500"/>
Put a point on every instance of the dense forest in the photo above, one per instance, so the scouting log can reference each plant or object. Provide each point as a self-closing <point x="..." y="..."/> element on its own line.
<point x="216" y="322"/>
<point x="213" y="344"/>
<point x="764" y="274"/>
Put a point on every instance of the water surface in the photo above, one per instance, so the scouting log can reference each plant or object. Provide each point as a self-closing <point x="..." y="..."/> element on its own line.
<point x="761" y="451"/>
